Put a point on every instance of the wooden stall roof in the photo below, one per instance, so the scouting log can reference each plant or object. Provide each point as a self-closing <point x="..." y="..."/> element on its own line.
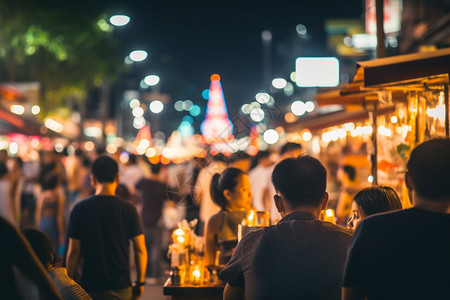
<point x="403" y="69"/>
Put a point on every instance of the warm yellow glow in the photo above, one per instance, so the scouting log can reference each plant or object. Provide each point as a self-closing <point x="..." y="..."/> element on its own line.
<point x="17" y="109"/>
<point x="54" y="125"/>
<point x="329" y="213"/>
<point x="180" y="239"/>
<point x="111" y="148"/>
<point x="394" y="119"/>
<point x="150" y="152"/>
<point x="196" y="273"/>
<point x="35" y="109"/>
<point x="251" y="216"/>
<point x="307" y="136"/>
<point x="178" y="232"/>
<point x="89" y="146"/>
<point x="349" y="126"/>
<point x="439" y="111"/>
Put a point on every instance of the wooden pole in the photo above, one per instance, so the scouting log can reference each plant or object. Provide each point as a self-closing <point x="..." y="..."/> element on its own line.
<point x="379" y="7"/>
<point x="374" y="156"/>
<point x="447" y="131"/>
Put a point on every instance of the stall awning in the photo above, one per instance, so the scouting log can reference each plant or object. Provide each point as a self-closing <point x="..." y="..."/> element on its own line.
<point x="11" y="123"/>
<point x="321" y="121"/>
<point x="396" y="69"/>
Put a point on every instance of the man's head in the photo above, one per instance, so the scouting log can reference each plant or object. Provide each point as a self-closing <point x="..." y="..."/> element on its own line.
<point x="105" y="169"/>
<point x="291" y="150"/>
<point x="428" y="172"/>
<point x="301" y="181"/>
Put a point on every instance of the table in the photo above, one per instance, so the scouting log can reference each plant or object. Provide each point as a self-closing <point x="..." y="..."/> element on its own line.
<point x="206" y="291"/>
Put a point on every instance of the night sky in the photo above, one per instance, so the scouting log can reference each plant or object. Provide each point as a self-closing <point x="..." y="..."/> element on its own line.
<point x="188" y="41"/>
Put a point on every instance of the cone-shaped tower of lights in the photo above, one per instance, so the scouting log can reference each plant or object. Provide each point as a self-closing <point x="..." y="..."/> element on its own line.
<point x="217" y="126"/>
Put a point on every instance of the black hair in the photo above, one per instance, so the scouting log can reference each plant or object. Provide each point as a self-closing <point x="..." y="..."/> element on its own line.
<point x="41" y="244"/>
<point x="377" y="199"/>
<point x="50" y="181"/>
<point x="155" y="168"/>
<point x="105" y="169"/>
<point x="429" y="169"/>
<point x="350" y="171"/>
<point x="289" y="146"/>
<point x="132" y="158"/>
<point x="3" y="169"/>
<point x="19" y="161"/>
<point x="86" y="162"/>
<point x="302" y="180"/>
<point x="221" y="182"/>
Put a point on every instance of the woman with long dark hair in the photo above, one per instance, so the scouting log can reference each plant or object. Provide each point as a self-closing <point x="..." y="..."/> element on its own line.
<point x="231" y="191"/>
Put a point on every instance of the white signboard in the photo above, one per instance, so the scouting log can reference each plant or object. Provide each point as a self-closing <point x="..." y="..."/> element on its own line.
<point x="317" y="71"/>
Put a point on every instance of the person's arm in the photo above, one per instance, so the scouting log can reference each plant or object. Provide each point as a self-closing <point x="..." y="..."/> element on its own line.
<point x="73" y="256"/>
<point x="233" y="293"/>
<point x="140" y="256"/>
<point x="59" y="220"/>
<point x="38" y="213"/>
<point x="352" y="294"/>
<point x="210" y="239"/>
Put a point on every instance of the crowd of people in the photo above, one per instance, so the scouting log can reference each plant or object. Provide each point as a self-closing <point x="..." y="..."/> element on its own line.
<point x="108" y="218"/>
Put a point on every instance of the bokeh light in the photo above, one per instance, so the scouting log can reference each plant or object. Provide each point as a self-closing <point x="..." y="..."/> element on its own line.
<point x="178" y="105"/>
<point x="119" y="20"/>
<point x="151" y="80"/>
<point x="156" y="106"/>
<point x="279" y="83"/>
<point x="257" y="114"/>
<point x="298" y="108"/>
<point x="262" y="98"/>
<point x="195" y="110"/>
<point x="138" y="55"/>
<point x="271" y="136"/>
<point x="35" y="109"/>
<point x="205" y="94"/>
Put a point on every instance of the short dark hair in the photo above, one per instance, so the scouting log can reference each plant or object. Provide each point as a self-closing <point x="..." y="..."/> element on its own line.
<point x="221" y="182"/>
<point x="105" y="169"/>
<point x="429" y="169"/>
<point x="350" y="171"/>
<point x="377" y="199"/>
<point x="301" y="180"/>
<point x="155" y="168"/>
<point x="41" y="244"/>
<point x="289" y="146"/>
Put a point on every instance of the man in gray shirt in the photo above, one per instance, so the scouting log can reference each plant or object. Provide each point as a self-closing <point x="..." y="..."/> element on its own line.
<point x="300" y="257"/>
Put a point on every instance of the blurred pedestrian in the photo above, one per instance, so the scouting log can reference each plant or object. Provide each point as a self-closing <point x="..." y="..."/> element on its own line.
<point x="100" y="230"/>
<point x="15" y="252"/>
<point x="43" y="248"/>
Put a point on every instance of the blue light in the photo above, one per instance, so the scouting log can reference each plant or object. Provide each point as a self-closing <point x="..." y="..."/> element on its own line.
<point x="188" y="119"/>
<point x="195" y="110"/>
<point x="185" y="129"/>
<point x="205" y="94"/>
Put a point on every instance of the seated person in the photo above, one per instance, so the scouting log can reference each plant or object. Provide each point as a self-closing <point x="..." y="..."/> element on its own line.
<point x="42" y="246"/>
<point x="299" y="257"/>
<point x="372" y="200"/>
<point x="231" y="191"/>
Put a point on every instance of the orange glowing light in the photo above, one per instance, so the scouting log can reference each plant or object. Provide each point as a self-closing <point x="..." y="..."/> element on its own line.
<point x="290" y="117"/>
<point x="165" y="160"/>
<point x="215" y="77"/>
<point x="154" y="159"/>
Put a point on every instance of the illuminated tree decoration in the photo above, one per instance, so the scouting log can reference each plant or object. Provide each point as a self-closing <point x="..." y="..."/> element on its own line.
<point x="217" y="126"/>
